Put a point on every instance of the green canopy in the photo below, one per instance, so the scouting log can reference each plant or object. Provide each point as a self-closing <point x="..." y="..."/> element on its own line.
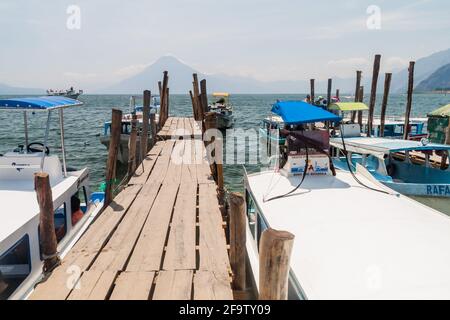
<point x="441" y="112"/>
<point x="348" y="106"/>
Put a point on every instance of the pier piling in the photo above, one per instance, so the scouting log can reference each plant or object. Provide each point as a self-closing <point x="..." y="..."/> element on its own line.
<point x="373" y="93"/>
<point x="132" y="146"/>
<point x="145" y="121"/>
<point x="47" y="235"/>
<point x="237" y="240"/>
<point x="358" y="86"/>
<point x="116" y="124"/>
<point x="360" y="99"/>
<point x="274" y="259"/>
<point x="387" y="86"/>
<point x="409" y="99"/>
<point x="312" y="82"/>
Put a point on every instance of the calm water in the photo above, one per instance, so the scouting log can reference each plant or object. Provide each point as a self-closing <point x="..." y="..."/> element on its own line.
<point x="84" y="125"/>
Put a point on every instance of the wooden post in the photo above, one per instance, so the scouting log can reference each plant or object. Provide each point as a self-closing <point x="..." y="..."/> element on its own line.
<point x="145" y="121"/>
<point x="167" y="104"/>
<point x="160" y="89"/>
<point x="47" y="234"/>
<point x="198" y="105"/>
<point x="114" y="141"/>
<point x="360" y="99"/>
<point x="153" y="129"/>
<point x="409" y="101"/>
<point x="237" y="239"/>
<point x="211" y="123"/>
<point x="330" y="85"/>
<point x="132" y="146"/>
<point x="204" y="96"/>
<point x="312" y="91"/>
<point x="194" y="108"/>
<point x="373" y="93"/>
<point x="274" y="262"/>
<point x="338" y="94"/>
<point x="163" y="108"/>
<point x="387" y="85"/>
<point x="358" y="86"/>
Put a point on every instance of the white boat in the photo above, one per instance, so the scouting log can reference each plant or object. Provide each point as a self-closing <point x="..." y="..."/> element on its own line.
<point x="355" y="238"/>
<point x="224" y="110"/>
<point x="123" y="153"/>
<point x="75" y="207"/>
<point x="69" y="93"/>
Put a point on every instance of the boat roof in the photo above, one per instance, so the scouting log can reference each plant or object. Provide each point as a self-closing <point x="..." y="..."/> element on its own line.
<point x="299" y="112"/>
<point x="441" y="112"/>
<point x="382" y="146"/>
<point x="358" y="244"/>
<point x="349" y="106"/>
<point x="221" y="94"/>
<point x="38" y="103"/>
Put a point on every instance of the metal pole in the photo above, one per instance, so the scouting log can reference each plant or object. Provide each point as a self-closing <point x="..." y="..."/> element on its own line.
<point x="47" y="129"/>
<point x="61" y="126"/>
<point x="25" y="121"/>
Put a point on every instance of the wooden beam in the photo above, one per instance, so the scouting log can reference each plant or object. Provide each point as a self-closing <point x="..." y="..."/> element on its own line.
<point x="162" y="112"/>
<point x="409" y="99"/>
<point x="274" y="262"/>
<point x="132" y="146"/>
<point x="204" y="96"/>
<point x="114" y="141"/>
<point x="360" y="99"/>
<point x="47" y="233"/>
<point x="387" y="86"/>
<point x="237" y="240"/>
<point x="373" y="93"/>
<point x="312" y="81"/>
<point x="145" y="122"/>
<point x="358" y="86"/>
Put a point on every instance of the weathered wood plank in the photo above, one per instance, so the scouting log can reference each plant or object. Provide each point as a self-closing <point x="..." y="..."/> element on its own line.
<point x="94" y="285"/>
<point x="133" y="286"/>
<point x="144" y="169"/>
<point x="213" y="246"/>
<point x="209" y="286"/>
<point x="173" y="285"/>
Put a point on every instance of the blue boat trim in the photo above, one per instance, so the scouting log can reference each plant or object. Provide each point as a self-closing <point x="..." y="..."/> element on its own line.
<point x="38" y="103"/>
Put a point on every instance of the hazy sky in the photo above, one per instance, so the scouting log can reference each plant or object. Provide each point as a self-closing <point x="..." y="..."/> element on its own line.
<point x="264" y="39"/>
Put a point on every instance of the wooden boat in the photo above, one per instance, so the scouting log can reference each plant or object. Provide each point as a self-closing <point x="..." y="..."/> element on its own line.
<point x="355" y="238"/>
<point x="69" y="93"/>
<point x="390" y="161"/>
<point x="224" y="110"/>
<point x="75" y="206"/>
<point x="439" y="125"/>
<point x="123" y="154"/>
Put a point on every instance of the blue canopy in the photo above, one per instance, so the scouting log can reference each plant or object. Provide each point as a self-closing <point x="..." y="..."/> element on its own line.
<point x="38" y="103"/>
<point x="299" y="112"/>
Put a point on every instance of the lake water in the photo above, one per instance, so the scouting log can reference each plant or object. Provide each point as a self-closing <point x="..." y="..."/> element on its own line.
<point x="84" y="125"/>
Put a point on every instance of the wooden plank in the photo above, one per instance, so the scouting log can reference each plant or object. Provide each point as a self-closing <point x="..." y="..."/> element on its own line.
<point x="133" y="286"/>
<point x="213" y="246"/>
<point x="87" y="248"/>
<point x="173" y="285"/>
<point x="181" y="253"/>
<point x="116" y="253"/>
<point x="209" y="286"/>
<point x="149" y="249"/>
<point x="94" y="285"/>
<point x="143" y="171"/>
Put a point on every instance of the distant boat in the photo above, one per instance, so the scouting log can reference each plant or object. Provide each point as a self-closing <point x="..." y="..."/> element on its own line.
<point x="224" y="110"/>
<point x="75" y="207"/>
<point x="69" y="93"/>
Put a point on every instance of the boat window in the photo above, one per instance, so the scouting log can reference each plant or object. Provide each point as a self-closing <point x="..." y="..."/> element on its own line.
<point x="61" y="222"/>
<point x="251" y="214"/>
<point x="15" y="266"/>
<point x="78" y="205"/>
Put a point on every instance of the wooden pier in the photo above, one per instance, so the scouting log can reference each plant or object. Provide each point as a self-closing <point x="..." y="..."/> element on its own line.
<point x="162" y="237"/>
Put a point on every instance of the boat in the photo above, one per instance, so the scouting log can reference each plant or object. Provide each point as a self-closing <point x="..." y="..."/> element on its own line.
<point x="123" y="154"/>
<point x="355" y="238"/>
<point x="402" y="165"/>
<point x="69" y="93"/>
<point x="21" y="264"/>
<point x="224" y="110"/>
<point x="439" y="125"/>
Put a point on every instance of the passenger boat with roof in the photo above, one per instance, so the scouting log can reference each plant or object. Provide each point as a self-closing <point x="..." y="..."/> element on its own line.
<point x="355" y="238"/>
<point x="123" y="153"/>
<point x="74" y="205"/>
<point x="69" y="93"/>
<point x="224" y="110"/>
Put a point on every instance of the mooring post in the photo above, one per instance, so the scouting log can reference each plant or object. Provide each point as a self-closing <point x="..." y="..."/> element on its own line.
<point x="373" y="93"/>
<point x="163" y="107"/>
<point x="194" y="108"/>
<point x="410" y="98"/>
<point x="358" y="86"/>
<point x="197" y="99"/>
<point x="153" y="129"/>
<point x="204" y="96"/>
<point x="47" y="234"/>
<point x="210" y="123"/>
<point x="132" y="146"/>
<point x="237" y="240"/>
<point x="114" y="141"/>
<point x="360" y="99"/>
<point x="275" y="250"/>
<point x="312" y="81"/>
<point x="387" y="85"/>
<point x="338" y="97"/>
<point x="145" y="122"/>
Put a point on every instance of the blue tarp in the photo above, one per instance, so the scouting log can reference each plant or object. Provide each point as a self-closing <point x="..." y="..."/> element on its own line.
<point x="39" y="103"/>
<point x="299" y="112"/>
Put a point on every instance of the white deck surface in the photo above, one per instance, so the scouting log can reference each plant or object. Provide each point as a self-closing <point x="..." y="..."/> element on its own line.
<point x="354" y="243"/>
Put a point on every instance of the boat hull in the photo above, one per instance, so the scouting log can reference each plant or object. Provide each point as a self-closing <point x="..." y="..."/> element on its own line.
<point x="225" y="121"/>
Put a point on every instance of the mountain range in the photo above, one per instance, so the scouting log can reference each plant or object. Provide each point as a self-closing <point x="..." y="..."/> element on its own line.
<point x="180" y="80"/>
<point x="438" y="81"/>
